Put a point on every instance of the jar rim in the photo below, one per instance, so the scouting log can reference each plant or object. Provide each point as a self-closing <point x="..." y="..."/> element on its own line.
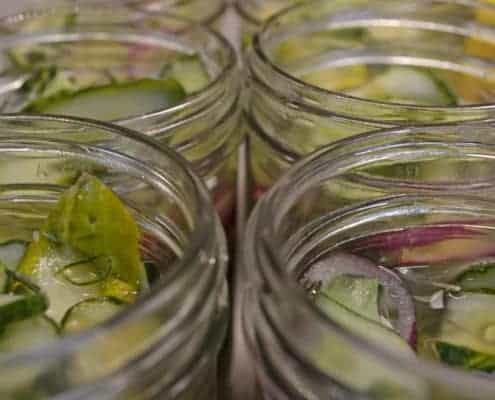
<point x="258" y="54"/>
<point x="225" y="74"/>
<point x="261" y="237"/>
<point x="245" y="14"/>
<point x="216" y="12"/>
<point x="206" y="224"/>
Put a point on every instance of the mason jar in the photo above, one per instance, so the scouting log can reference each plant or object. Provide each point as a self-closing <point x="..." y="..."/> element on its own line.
<point x="57" y="52"/>
<point x="410" y="211"/>
<point x="166" y="344"/>
<point x="254" y="13"/>
<point x="327" y="70"/>
<point x="192" y="9"/>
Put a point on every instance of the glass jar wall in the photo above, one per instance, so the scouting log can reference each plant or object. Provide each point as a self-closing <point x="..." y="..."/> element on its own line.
<point x="192" y="9"/>
<point x="158" y="74"/>
<point x="254" y="13"/>
<point x="324" y="71"/>
<point x="369" y="270"/>
<point x="166" y="343"/>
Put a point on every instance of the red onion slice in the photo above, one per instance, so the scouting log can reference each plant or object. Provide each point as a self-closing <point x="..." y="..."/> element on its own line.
<point x="341" y="263"/>
<point x="414" y="237"/>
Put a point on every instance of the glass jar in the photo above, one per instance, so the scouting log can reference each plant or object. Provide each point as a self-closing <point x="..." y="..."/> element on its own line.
<point x="405" y="199"/>
<point x="315" y="69"/>
<point x="192" y="9"/>
<point x="97" y="46"/>
<point x="254" y="13"/>
<point x="166" y="344"/>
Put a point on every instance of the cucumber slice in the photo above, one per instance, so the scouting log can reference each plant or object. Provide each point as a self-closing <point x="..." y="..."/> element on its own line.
<point x="88" y="247"/>
<point x="463" y="357"/>
<point x="468" y="323"/>
<point x="16" y="307"/>
<point x="4" y="278"/>
<point x="407" y="85"/>
<point x="360" y="372"/>
<point x="372" y="330"/>
<point x="11" y="253"/>
<point x="479" y="277"/>
<point x="86" y="272"/>
<point x="89" y="313"/>
<point x="29" y="381"/>
<point x="152" y="271"/>
<point x="114" y="101"/>
<point x="28" y="333"/>
<point x="116" y="349"/>
<point x="189" y="71"/>
<point x="42" y="263"/>
<point x="46" y="82"/>
<point x="359" y="295"/>
<point x="119" y="290"/>
<point x="91" y="220"/>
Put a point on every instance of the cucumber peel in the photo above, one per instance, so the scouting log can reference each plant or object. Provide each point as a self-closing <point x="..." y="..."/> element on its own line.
<point x="113" y="101"/>
<point x="479" y="278"/>
<point x="466" y="336"/>
<point x="463" y="357"/>
<point x="4" y="278"/>
<point x="46" y="82"/>
<point x="15" y="308"/>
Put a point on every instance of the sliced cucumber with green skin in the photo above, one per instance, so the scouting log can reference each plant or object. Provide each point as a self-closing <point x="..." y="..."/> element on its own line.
<point x="152" y="271"/>
<point x="11" y="253"/>
<point x="479" y="277"/>
<point x="18" y="307"/>
<point x="189" y="71"/>
<point x="468" y="326"/>
<point x="46" y="82"/>
<point x="372" y="330"/>
<point x="29" y="381"/>
<point x="463" y="357"/>
<point x="362" y="373"/>
<point x="407" y="85"/>
<point x="4" y="278"/>
<point x="42" y="263"/>
<point x="89" y="313"/>
<point x="359" y="295"/>
<point x="114" y="101"/>
<point x="92" y="229"/>
<point x="28" y="333"/>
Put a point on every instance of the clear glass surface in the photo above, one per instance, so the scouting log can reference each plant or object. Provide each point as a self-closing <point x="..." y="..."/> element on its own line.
<point x="101" y="44"/>
<point x="312" y="67"/>
<point x="166" y="344"/>
<point x="410" y="191"/>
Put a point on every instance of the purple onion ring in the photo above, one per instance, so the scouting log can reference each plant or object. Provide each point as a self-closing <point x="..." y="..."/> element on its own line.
<point x="341" y="263"/>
